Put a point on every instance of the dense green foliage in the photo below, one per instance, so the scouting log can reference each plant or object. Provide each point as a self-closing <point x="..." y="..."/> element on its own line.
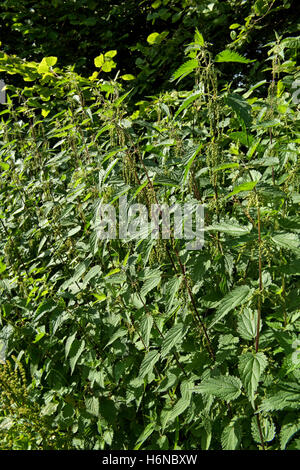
<point x="144" y="344"/>
<point x="77" y="30"/>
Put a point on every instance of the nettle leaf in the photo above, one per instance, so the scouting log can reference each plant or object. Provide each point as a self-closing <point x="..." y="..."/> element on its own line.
<point x="189" y="100"/>
<point x="146" y="326"/>
<point x="92" y="406"/>
<point x="118" y="334"/>
<point x="232" y="435"/>
<point x="94" y="271"/>
<point x="287" y="397"/>
<point x="251" y="366"/>
<point x="230" y="228"/>
<point x="179" y="407"/>
<point x="171" y="289"/>
<point x="225" y="387"/>
<point x="267" y="427"/>
<point x="185" y="69"/>
<point x="148" y="362"/>
<point x="247" y="324"/>
<point x="241" y="107"/>
<point x="288" y="431"/>
<point x="287" y="240"/>
<point x="144" y="435"/>
<point x="151" y="282"/>
<point x="69" y="343"/>
<point x="244" y="187"/>
<point x="231" y="56"/>
<point x="76" y="350"/>
<point x="173" y="337"/>
<point x="233" y="299"/>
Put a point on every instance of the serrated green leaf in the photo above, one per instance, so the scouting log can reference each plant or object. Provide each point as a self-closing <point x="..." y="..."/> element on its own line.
<point x="171" y="289"/>
<point x="247" y="324"/>
<point x="151" y="283"/>
<point x="225" y="387"/>
<point x="148" y="362"/>
<point x="242" y="187"/>
<point x="118" y="334"/>
<point x="251" y="366"/>
<point x="92" y="406"/>
<point x="146" y="326"/>
<point x="178" y="408"/>
<point x="233" y="299"/>
<point x="288" y="397"/>
<point x="231" y="56"/>
<point x="69" y="343"/>
<point x="94" y="271"/>
<point x="287" y="240"/>
<point x="189" y="100"/>
<point x="185" y="69"/>
<point x="173" y="337"/>
<point x="232" y="435"/>
<point x="76" y="350"/>
<point x="240" y="106"/>
<point x="144" y="435"/>
<point x="287" y="431"/>
<point x="232" y="229"/>
<point x="267" y="428"/>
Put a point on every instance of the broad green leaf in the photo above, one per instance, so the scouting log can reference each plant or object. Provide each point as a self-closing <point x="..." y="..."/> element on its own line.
<point x="190" y="162"/>
<point x="226" y="166"/>
<point x="111" y="54"/>
<point x="247" y="324"/>
<point x="231" y="56"/>
<point x="267" y="428"/>
<point x="108" y="65"/>
<point x="99" y="61"/>
<point x="69" y="343"/>
<point x="242" y="188"/>
<point x="225" y="387"/>
<point x="127" y="77"/>
<point x="287" y="397"/>
<point x="251" y="366"/>
<point x="92" y="406"/>
<point x="173" y="337"/>
<point x="171" y="289"/>
<point x="146" y="326"/>
<point x="94" y="271"/>
<point x="148" y="362"/>
<point x="199" y="38"/>
<point x="76" y="350"/>
<point x="291" y="42"/>
<point x="49" y="409"/>
<point x="185" y="69"/>
<point x="151" y="283"/>
<point x="233" y="299"/>
<point x="153" y="38"/>
<point x="287" y="431"/>
<point x="118" y="334"/>
<point x="144" y="435"/>
<point x="232" y="435"/>
<point x="240" y="106"/>
<point x="288" y="241"/>
<point x="232" y="229"/>
<point x="177" y="410"/>
<point x="189" y="100"/>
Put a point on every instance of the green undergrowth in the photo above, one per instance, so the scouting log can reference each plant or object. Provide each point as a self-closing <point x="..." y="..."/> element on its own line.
<point x="143" y="343"/>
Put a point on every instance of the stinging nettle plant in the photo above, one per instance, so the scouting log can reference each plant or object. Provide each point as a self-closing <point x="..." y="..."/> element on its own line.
<point x="143" y="344"/>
